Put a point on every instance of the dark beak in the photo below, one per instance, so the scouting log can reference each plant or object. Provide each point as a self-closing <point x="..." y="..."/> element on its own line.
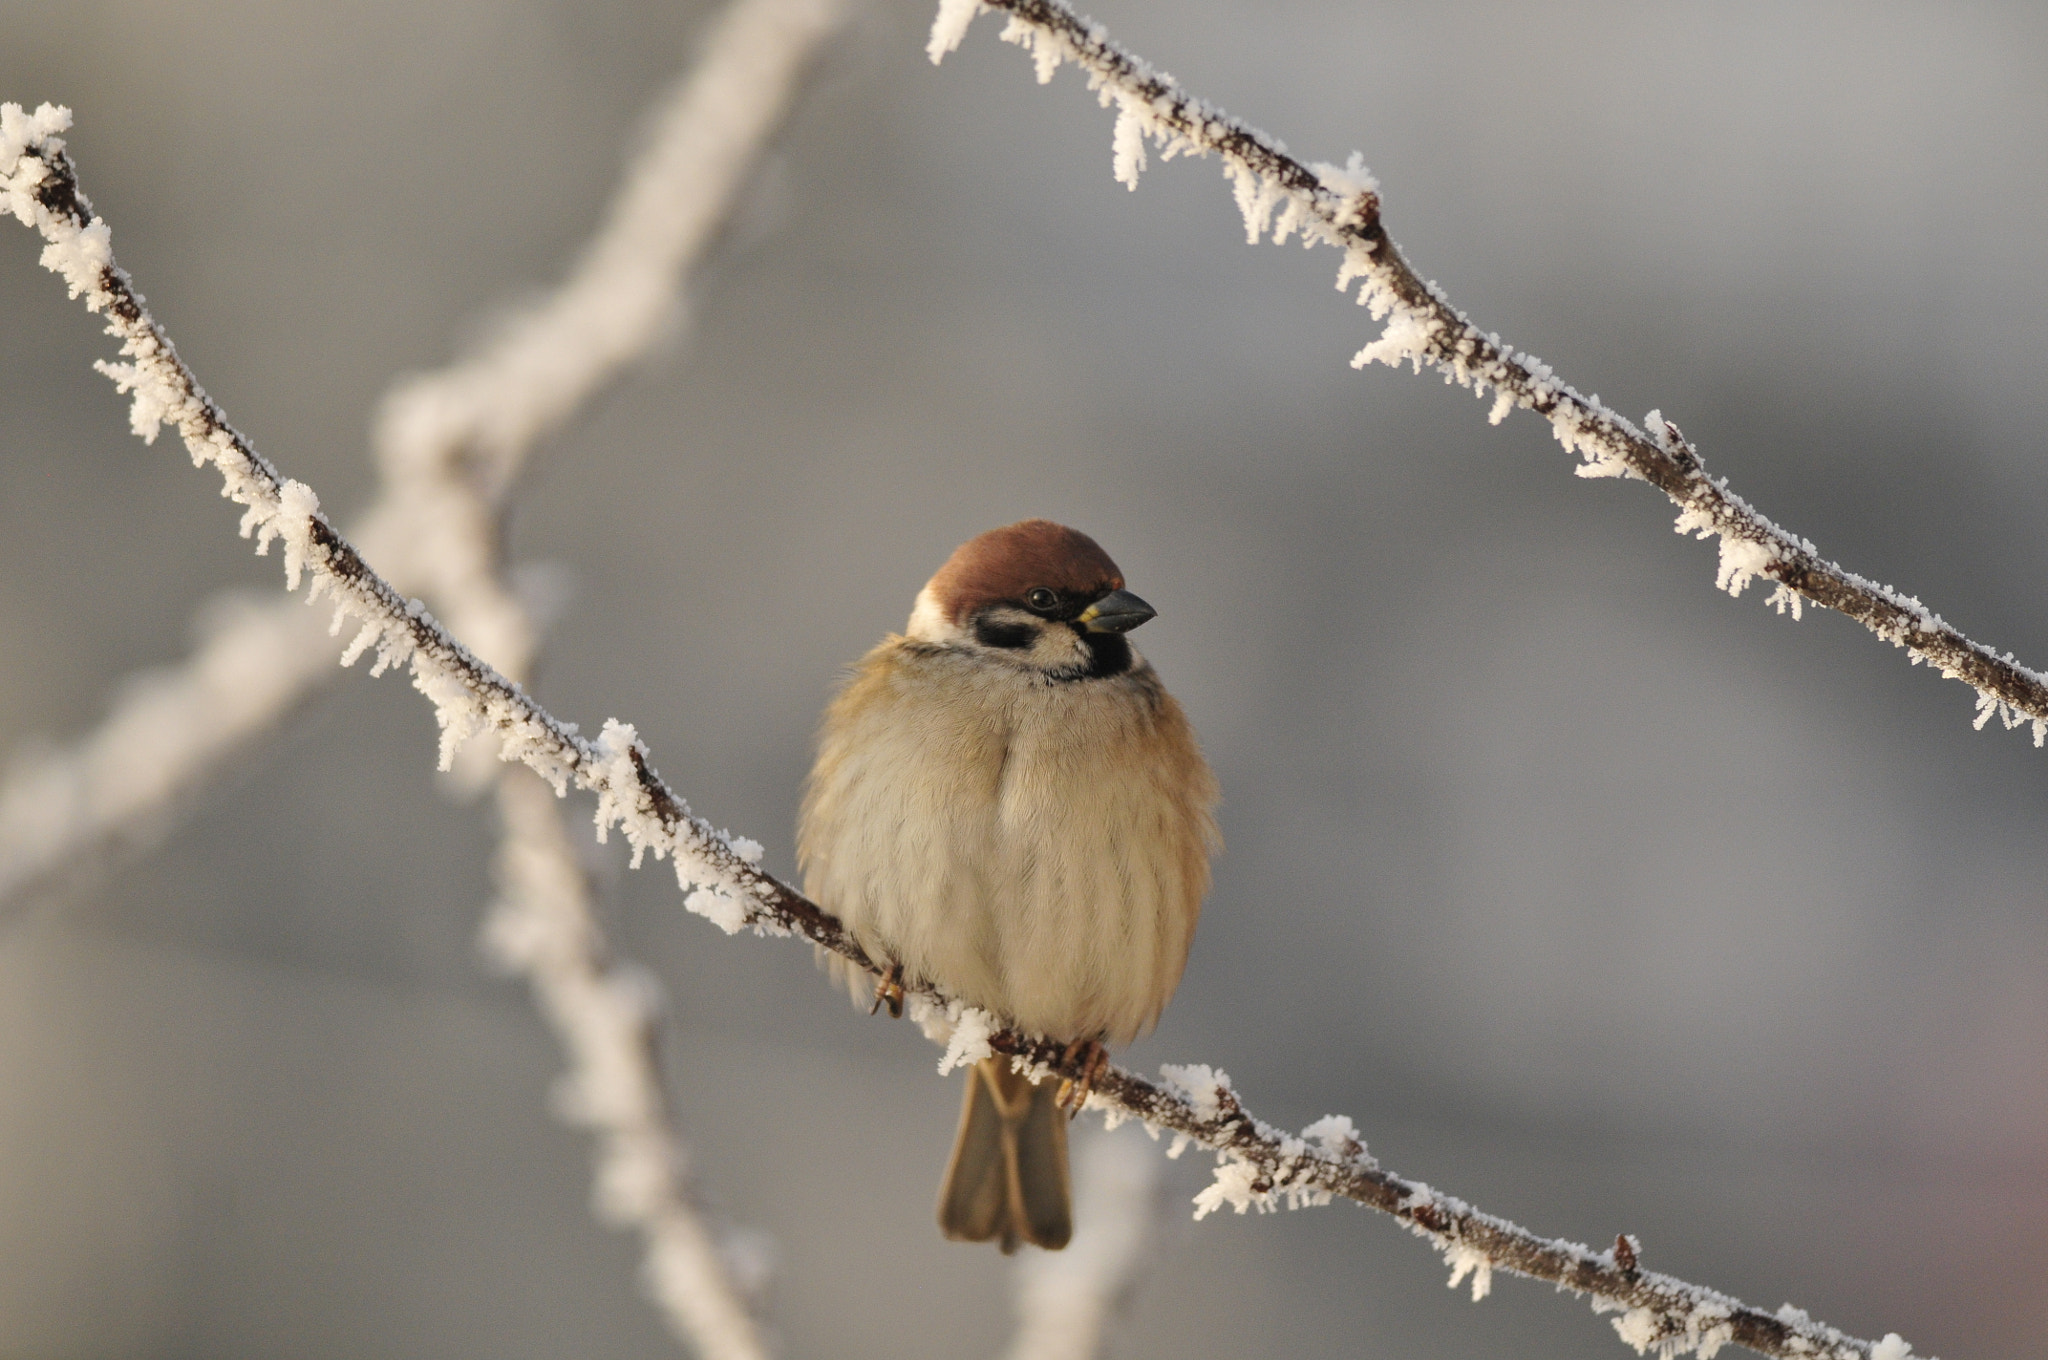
<point x="1117" y="612"/>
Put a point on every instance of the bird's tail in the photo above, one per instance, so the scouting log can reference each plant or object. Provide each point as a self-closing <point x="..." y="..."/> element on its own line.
<point x="1007" y="1181"/>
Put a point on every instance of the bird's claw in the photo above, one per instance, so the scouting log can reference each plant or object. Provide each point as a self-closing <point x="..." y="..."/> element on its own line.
<point x="1094" y="1060"/>
<point x="890" y="991"/>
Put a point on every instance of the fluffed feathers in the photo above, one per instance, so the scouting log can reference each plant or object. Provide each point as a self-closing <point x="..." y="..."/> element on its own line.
<point x="1008" y="805"/>
<point x="1037" y="848"/>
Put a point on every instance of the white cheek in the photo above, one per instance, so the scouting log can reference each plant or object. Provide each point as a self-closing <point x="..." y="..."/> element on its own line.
<point x="927" y="621"/>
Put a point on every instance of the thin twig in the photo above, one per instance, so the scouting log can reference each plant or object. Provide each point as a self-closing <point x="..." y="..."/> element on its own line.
<point x="1340" y="206"/>
<point x="1259" y="1166"/>
<point x="451" y="443"/>
<point x="449" y="446"/>
<point x="607" y="1015"/>
<point x="120" y="785"/>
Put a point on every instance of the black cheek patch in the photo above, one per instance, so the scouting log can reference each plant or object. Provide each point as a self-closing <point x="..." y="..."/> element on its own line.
<point x="1013" y="636"/>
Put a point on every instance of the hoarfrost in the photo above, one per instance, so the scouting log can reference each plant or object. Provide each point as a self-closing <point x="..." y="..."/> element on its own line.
<point x="949" y="27"/>
<point x="1336" y="1135"/>
<point x="1235" y="1185"/>
<point x="1046" y="52"/>
<point x="968" y="1042"/>
<point x="1784" y="597"/>
<point x="621" y="801"/>
<point x="455" y="708"/>
<point x="297" y="507"/>
<point x="933" y="1020"/>
<point x="19" y="130"/>
<point x="155" y="401"/>
<point x="1351" y="182"/>
<point x="1203" y="1087"/>
<point x="716" y="903"/>
<point x="1464" y="1260"/>
<point x="1256" y="194"/>
<point x="1406" y="339"/>
<point x="1127" y="144"/>
<point x="81" y="256"/>
<point x="1358" y="264"/>
<point x="1743" y="557"/>
<point x="1639" y="1328"/>
<point x="1701" y="1325"/>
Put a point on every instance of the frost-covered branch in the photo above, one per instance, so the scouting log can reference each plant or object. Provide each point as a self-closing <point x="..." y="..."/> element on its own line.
<point x="449" y="445"/>
<point x="168" y="731"/>
<point x="606" y="1012"/>
<point x="1340" y="206"/>
<point x="1259" y="1166"/>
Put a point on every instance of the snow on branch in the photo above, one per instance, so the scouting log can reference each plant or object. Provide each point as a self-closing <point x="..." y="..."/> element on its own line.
<point x="607" y="1012"/>
<point x="450" y="443"/>
<point x="1259" y="1166"/>
<point x="168" y="730"/>
<point x="1340" y="206"/>
<point x="449" y="446"/>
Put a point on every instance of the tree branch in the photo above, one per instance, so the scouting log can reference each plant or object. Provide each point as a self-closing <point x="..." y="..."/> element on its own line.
<point x="1340" y="206"/>
<point x="449" y="446"/>
<point x="1259" y="1166"/>
<point x="170" y="730"/>
<point x="606" y="1012"/>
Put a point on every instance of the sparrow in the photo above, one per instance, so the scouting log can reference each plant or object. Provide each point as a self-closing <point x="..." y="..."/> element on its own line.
<point x="1008" y="806"/>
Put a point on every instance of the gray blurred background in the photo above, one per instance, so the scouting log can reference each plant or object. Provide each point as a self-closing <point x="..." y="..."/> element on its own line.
<point x="1593" y="896"/>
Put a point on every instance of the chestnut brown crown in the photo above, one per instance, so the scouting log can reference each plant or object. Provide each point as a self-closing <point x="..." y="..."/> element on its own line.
<point x="1007" y="564"/>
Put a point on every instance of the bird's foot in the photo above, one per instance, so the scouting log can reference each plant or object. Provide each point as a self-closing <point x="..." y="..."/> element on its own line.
<point x="889" y="991"/>
<point x="1094" y="1060"/>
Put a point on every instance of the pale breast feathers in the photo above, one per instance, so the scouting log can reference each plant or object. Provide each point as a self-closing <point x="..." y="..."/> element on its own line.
<point x="1040" y="849"/>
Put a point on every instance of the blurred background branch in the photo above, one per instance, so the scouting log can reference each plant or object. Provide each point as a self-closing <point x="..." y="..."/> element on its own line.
<point x="451" y="446"/>
<point x="1574" y="999"/>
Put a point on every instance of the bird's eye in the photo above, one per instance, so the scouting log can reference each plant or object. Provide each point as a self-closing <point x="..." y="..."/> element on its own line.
<point x="1041" y="598"/>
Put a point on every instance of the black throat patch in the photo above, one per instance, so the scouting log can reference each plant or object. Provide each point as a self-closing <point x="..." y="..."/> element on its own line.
<point x="1108" y="654"/>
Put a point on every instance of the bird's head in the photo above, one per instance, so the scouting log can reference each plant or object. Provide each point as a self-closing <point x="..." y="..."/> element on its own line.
<point x="1034" y="594"/>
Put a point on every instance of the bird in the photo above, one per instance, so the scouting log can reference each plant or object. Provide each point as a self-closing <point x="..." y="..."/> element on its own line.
<point x="1007" y="806"/>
